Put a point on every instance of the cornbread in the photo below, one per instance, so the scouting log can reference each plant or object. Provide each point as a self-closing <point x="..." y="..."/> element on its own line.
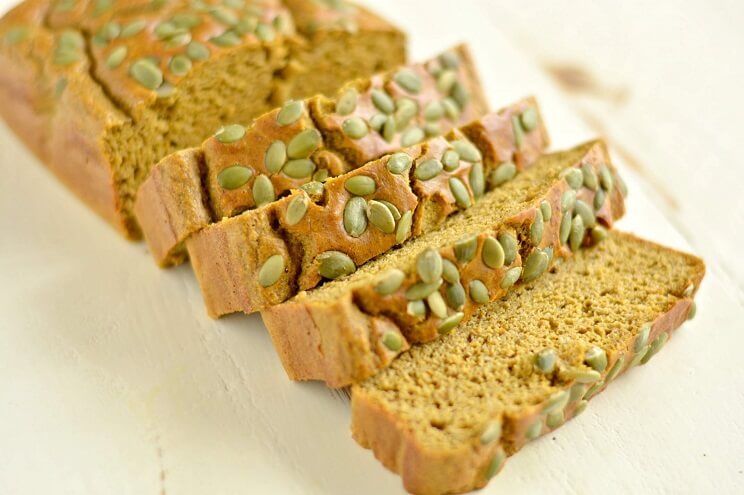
<point x="348" y="329"/>
<point x="354" y="225"/>
<point x="102" y="90"/>
<point x="446" y="414"/>
<point x="240" y="168"/>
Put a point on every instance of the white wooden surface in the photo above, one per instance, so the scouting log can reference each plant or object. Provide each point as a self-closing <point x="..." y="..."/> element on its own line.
<point x="113" y="380"/>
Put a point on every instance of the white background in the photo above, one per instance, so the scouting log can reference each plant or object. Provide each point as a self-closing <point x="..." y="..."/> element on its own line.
<point x="113" y="380"/>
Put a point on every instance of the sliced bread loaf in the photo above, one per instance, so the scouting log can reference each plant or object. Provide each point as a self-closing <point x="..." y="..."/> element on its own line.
<point x="348" y="329"/>
<point x="264" y="256"/>
<point x="447" y="414"/>
<point x="241" y="168"/>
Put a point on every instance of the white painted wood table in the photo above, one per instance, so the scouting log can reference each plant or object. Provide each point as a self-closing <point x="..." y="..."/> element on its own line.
<point x="114" y="381"/>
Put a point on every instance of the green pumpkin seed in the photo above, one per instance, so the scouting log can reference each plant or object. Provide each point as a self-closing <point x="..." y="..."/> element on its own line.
<point x="565" y="230"/>
<point x="460" y="94"/>
<point x="446" y="81"/>
<point x="534" y="430"/>
<point x="335" y="264"/>
<point x="180" y="65"/>
<point x="290" y="112"/>
<point x="450" y="160"/>
<point x="493" y="253"/>
<point x="509" y="245"/>
<point x="580" y="408"/>
<point x="406" y="110"/>
<point x="408" y="80"/>
<point x="460" y="193"/>
<point x="355" y="128"/>
<point x="510" y="277"/>
<point x="314" y="189"/>
<point x="546" y="210"/>
<point x="429" y="265"/>
<point x="146" y="73"/>
<point x="275" y="157"/>
<point x="467" y="151"/>
<point x="377" y="121"/>
<point x="304" y="144"/>
<point x="594" y="389"/>
<point x="545" y="360"/>
<point x="186" y="20"/>
<point x="450" y="60"/>
<point x="449" y="323"/>
<point x="622" y="187"/>
<point x="299" y="169"/>
<point x="263" y="190"/>
<point x="226" y="40"/>
<point x="133" y="28"/>
<point x="403" y="231"/>
<point x="449" y="272"/>
<point x="271" y="271"/>
<point x="605" y="178"/>
<point x="596" y="358"/>
<point x="529" y="119"/>
<point x="234" y="177"/>
<point x="491" y="433"/>
<point x="581" y="375"/>
<point x="297" y="208"/>
<point x="586" y="212"/>
<point x="455" y="294"/>
<point x="116" y="57"/>
<point x="392" y="340"/>
<point x="437" y="305"/>
<point x="360" y="185"/>
<point x="422" y="290"/>
<point x="503" y="173"/>
<point x="518" y="131"/>
<point x="16" y="35"/>
<point x="638" y="357"/>
<point x="535" y="264"/>
<point x="495" y="465"/>
<point x="477" y="180"/>
<point x="556" y="402"/>
<point x="197" y="51"/>
<point x="398" y="163"/>
<point x="230" y="133"/>
<point x="355" y="218"/>
<point x="478" y="292"/>
<point x="380" y="216"/>
<point x="411" y="136"/>
<point x="537" y="228"/>
<point x="382" y="101"/>
<point x="428" y="169"/>
<point x="573" y="177"/>
<point x="555" y="419"/>
<point x="568" y="200"/>
<point x="599" y="199"/>
<point x="590" y="178"/>
<point x="693" y="311"/>
<point x="389" y="129"/>
<point x="416" y="308"/>
<point x="655" y="347"/>
<point x="451" y="110"/>
<point x="110" y="31"/>
<point x="264" y="32"/>
<point x="347" y="102"/>
<point x="577" y="392"/>
<point x="598" y="234"/>
<point x="393" y="209"/>
<point x="390" y="281"/>
<point x="576" y="237"/>
<point x="432" y="129"/>
<point x="433" y="111"/>
<point x="465" y="249"/>
<point x="642" y="338"/>
<point x="615" y="370"/>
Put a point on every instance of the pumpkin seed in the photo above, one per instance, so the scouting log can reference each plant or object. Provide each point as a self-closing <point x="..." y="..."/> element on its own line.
<point x="518" y="131"/>
<point x="264" y="32"/>
<point x="389" y="129"/>
<point x="377" y="121"/>
<point x="622" y="187"/>
<point x="492" y="253"/>
<point x="133" y="28"/>
<point x="403" y="231"/>
<point x="146" y="73"/>
<point x="534" y="430"/>
<point x="535" y="264"/>
<point x="275" y="157"/>
<point x="299" y="169"/>
<point x="354" y="127"/>
<point x="382" y="101"/>
<point x="556" y="402"/>
<point x="590" y="178"/>
<point x="537" y="228"/>
<point x="529" y="119"/>
<point x="495" y="465"/>
<point x="581" y="375"/>
<point x="503" y="173"/>
<point x="586" y="212"/>
<point x="432" y="129"/>
<point x="392" y="340"/>
<point x="186" y="20"/>
<point x="577" y="392"/>
<point x="568" y="200"/>
<point x="478" y="292"/>
<point x="347" y="102"/>
<point x="555" y="419"/>
<point x="234" y="177"/>
<point x="380" y="216"/>
<point x="116" y="57"/>
<point x="408" y="80"/>
<point x="451" y="110"/>
<point x="615" y="370"/>
<point x="271" y="270"/>
<point x="450" y="272"/>
<point x="355" y="219"/>
<point x="263" y="190"/>
<point x="406" y="110"/>
<point x="599" y="234"/>
<point x="450" y="160"/>
<point x="467" y="151"/>
<point x="460" y="94"/>
<point x="638" y="357"/>
<point x="693" y="311"/>
<point x="545" y="360"/>
<point x="446" y="81"/>
<point x="465" y="249"/>
<point x="416" y="308"/>
<point x="576" y="237"/>
<point x="450" y="59"/>
<point x="594" y="389"/>
<point x="180" y="65"/>
<point x="422" y="290"/>
<point x="437" y="305"/>
<point x="428" y="169"/>
<point x="230" y="133"/>
<point x="393" y="209"/>
<point x="412" y="136"/>
<point x="460" y="193"/>
<point x="429" y="265"/>
<point x="314" y="189"/>
<point x="297" y="208"/>
<point x="509" y="245"/>
<point x="197" y="51"/>
<point x="398" y="163"/>
<point x="360" y="185"/>
<point x="642" y="338"/>
<point x="565" y="230"/>
<point x="290" y="113"/>
<point x="574" y="177"/>
<point x="491" y="433"/>
<point x="596" y="358"/>
<point x="449" y="323"/>
<point x="390" y="282"/>
<point x="599" y="199"/>
<point x="16" y="35"/>
<point x="546" y="210"/>
<point x="605" y="178"/>
<point x="335" y="264"/>
<point x="66" y="56"/>
<point x="304" y="144"/>
<point x="433" y="111"/>
<point x="226" y="39"/>
<point x="510" y="277"/>
<point x="455" y="295"/>
<point x="655" y="347"/>
<point x="477" y="180"/>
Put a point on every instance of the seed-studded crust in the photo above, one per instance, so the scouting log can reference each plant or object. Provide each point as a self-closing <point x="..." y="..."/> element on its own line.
<point x="287" y="330"/>
<point x="328" y="156"/>
<point x="426" y="470"/>
<point x="70" y="89"/>
<point x="227" y="262"/>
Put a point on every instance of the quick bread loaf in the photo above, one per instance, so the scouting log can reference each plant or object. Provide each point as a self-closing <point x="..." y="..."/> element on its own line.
<point x="446" y="414"/>
<point x="348" y="329"/>
<point x="101" y="90"/>
<point x="240" y="168"/>
<point x="264" y="256"/>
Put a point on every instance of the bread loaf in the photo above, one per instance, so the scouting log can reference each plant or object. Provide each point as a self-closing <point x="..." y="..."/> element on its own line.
<point x="446" y="414"/>
<point x="102" y="90"/>
<point x="435" y="281"/>
<point x="243" y="167"/>
<point x="284" y="240"/>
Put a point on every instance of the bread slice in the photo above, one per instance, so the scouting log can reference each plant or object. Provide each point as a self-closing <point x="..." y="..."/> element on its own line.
<point x="350" y="328"/>
<point x="102" y="90"/>
<point x="231" y="257"/>
<point x="447" y="414"/>
<point x="300" y="142"/>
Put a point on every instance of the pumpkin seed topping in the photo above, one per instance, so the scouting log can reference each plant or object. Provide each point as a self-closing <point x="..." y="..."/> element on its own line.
<point x="390" y="282"/>
<point x="412" y="136"/>
<point x="545" y="360"/>
<point x="433" y="111"/>
<point x="263" y="191"/>
<point x="389" y="128"/>
<point x="446" y="81"/>
<point x="429" y="265"/>
<point x="416" y="308"/>
<point x="568" y="200"/>
<point x="377" y="121"/>
<point x="394" y="211"/>
<point x="275" y="157"/>
<point x="392" y="340"/>
<point x="347" y="102"/>
<point x="460" y="94"/>
<point x="304" y="144"/>
<point x="355" y="218"/>
<point x="529" y="119"/>
<point x="574" y="177"/>
<point x="16" y="35"/>
<point x="398" y="163"/>
<point x="491" y="433"/>
<point x="546" y="210"/>
<point x="297" y="208"/>
<point x="599" y="199"/>
<point x="556" y="402"/>
<point x="449" y="323"/>
<point x="467" y="151"/>
<point x="642" y="338"/>
<point x="271" y="271"/>
<point x="555" y="419"/>
<point x="234" y="177"/>
<point x="518" y="131"/>
<point x="437" y="305"/>
<point x="599" y="234"/>
<point x="535" y="264"/>
<point x="638" y="357"/>
<point x="503" y="173"/>
<point x="180" y="65"/>
<point x="477" y="180"/>
<point x="451" y="110"/>
<point x="460" y="192"/>
<point x="510" y="277"/>
<point x="408" y="80"/>
<point x="230" y="133"/>
<point x="300" y="168"/>
<point x="565" y="230"/>
<point x="355" y="127"/>
<point x="586" y="212"/>
<point x="493" y="253"/>
<point x="403" y="231"/>
<point x="360" y="185"/>
<point x="450" y="160"/>
<point x="422" y="290"/>
<point x="146" y="73"/>
<point x="576" y="236"/>
<point x="622" y="186"/>
<point x="693" y="311"/>
<point x="314" y="189"/>
<point x="581" y="375"/>
<point x="605" y="178"/>
<point x="655" y="347"/>
<point x="226" y="39"/>
<point x="509" y="244"/>
<point x="495" y="465"/>
<point x="197" y="51"/>
<point x="116" y="57"/>
<point x="133" y="28"/>
<point x="534" y="430"/>
<point x="537" y="228"/>
<point x="615" y="370"/>
<point x="465" y="249"/>
<point x="382" y="101"/>
<point x="596" y="358"/>
<point x="580" y="407"/>
<point x="478" y="292"/>
<point x="335" y="264"/>
<point x="290" y="112"/>
<point x="380" y="216"/>
<point x="406" y="110"/>
<point x="590" y="178"/>
<point x="577" y="392"/>
<point x="455" y="295"/>
<point x="428" y="169"/>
